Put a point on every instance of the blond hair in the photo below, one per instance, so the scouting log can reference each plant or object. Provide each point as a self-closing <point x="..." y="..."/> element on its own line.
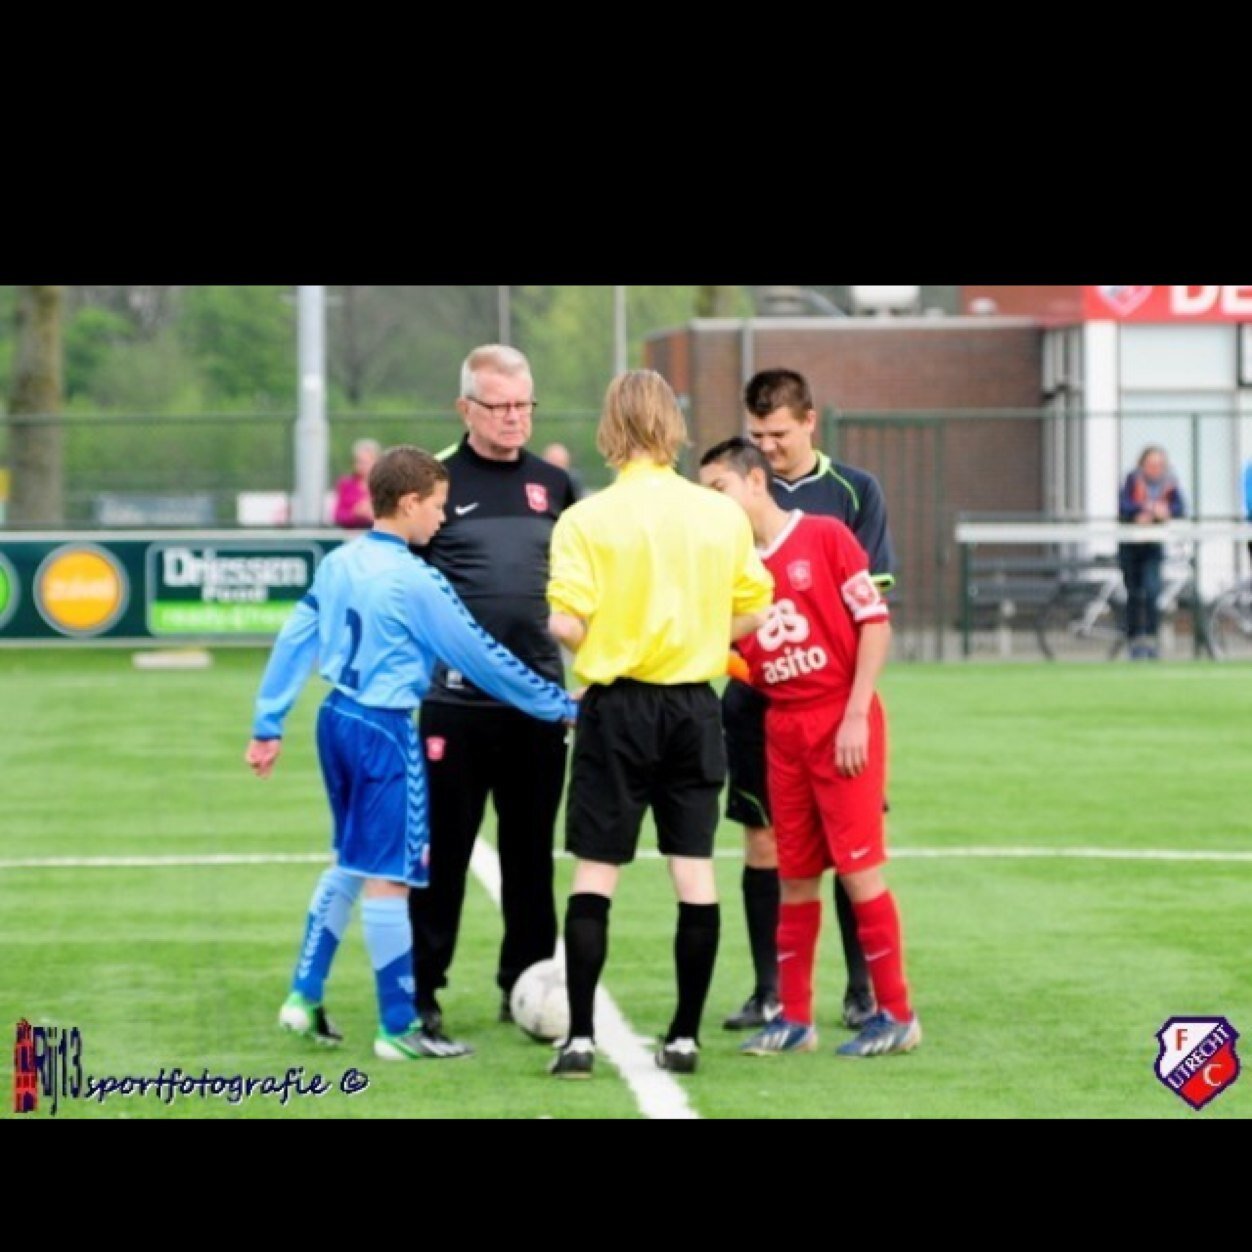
<point x="641" y="418"/>
<point x="494" y="358"/>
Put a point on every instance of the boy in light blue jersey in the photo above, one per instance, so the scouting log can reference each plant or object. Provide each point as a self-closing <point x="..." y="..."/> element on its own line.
<point x="375" y="621"/>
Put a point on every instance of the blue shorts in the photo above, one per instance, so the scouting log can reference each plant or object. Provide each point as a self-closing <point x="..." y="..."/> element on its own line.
<point x="376" y="782"/>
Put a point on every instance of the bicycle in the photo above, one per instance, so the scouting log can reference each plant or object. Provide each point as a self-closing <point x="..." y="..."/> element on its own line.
<point x="1230" y="623"/>
<point x="1084" y="618"/>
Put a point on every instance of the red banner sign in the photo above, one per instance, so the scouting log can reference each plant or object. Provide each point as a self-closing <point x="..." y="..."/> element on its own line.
<point x="1167" y="304"/>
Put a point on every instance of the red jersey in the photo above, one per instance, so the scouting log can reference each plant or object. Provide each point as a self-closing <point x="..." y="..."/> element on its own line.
<point x="823" y="595"/>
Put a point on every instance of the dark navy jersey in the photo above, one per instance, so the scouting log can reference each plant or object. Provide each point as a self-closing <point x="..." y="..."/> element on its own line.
<point x="493" y="549"/>
<point x="852" y="496"/>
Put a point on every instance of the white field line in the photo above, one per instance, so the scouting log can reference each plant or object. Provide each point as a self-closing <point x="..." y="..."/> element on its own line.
<point x="656" y="1092"/>
<point x="727" y="854"/>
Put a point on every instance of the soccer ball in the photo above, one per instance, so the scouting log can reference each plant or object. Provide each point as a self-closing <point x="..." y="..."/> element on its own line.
<point x="539" y="1002"/>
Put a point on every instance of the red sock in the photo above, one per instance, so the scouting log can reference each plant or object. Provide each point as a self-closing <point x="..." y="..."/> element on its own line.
<point x="878" y="929"/>
<point x="798" y="925"/>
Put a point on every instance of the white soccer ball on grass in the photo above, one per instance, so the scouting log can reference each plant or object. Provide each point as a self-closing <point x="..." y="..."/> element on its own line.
<point x="539" y="1002"/>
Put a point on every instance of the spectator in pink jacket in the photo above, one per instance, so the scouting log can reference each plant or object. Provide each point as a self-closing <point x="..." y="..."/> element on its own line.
<point x="352" y="492"/>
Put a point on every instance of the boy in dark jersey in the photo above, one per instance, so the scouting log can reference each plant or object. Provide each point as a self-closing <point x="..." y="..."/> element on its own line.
<point x="781" y="420"/>
<point x="818" y="657"/>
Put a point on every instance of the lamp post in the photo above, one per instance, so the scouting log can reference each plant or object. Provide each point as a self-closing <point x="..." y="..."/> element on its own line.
<point x="312" y="434"/>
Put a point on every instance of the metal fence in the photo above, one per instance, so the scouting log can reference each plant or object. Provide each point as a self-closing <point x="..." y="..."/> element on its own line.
<point x="193" y="470"/>
<point x="936" y="468"/>
<point x="940" y="468"/>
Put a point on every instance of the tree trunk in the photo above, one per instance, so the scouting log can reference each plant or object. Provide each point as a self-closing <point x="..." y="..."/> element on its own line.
<point x="36" y="437"/>
<point x="715" y="301"/>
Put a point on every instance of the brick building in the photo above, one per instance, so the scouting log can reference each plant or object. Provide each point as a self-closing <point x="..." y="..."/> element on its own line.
<point x="907" y="398"/>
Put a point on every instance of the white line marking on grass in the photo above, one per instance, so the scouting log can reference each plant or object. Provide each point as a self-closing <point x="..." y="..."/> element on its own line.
<point x="656" y="1092"/>
<point x="1071" y="854"/>
<point x="724" y="854"/>
<point x="160" y="862"/>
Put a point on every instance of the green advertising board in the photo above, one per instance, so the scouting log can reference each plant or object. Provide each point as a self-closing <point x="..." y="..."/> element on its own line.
<point x="225" y="589"/>
<point x="8" y="591"/>
<point x="172" y="586"/>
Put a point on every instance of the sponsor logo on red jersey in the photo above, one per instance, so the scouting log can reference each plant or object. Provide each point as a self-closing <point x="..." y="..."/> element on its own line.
<point x="784" y="627"/>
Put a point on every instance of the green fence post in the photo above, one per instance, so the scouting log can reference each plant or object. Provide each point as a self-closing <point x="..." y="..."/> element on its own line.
<point x="1197" y="625"/>
<point x="965" y="615"/>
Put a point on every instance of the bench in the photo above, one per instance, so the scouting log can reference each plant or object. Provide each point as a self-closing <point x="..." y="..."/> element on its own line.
<point x="1003" y="593"/>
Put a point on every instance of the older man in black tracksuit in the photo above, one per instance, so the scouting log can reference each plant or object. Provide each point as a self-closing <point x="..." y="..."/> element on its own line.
<point x="502" y="505"/>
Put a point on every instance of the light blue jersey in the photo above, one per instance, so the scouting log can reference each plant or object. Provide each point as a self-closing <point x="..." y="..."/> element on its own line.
<point x="375" y="621"/>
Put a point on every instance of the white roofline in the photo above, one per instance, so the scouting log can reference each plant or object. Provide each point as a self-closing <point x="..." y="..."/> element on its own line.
<point x="853" y="324"/>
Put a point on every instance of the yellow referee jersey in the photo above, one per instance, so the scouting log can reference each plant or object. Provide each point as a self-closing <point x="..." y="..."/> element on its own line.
<point x="655" y="566"/>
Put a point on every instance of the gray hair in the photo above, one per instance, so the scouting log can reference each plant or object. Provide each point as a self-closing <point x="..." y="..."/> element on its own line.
<point x="491" y="356"/>
<point x="367" y="445"/>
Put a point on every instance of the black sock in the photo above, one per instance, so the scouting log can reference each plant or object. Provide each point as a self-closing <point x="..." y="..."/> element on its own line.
<point x="853" y="953"/>
<point x="586" y="947"/>
<point x="695" y="953"/>
<point x="760" y="907"/>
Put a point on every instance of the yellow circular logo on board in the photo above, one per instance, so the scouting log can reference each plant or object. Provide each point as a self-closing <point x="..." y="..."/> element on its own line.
<point x="80" y="590"/>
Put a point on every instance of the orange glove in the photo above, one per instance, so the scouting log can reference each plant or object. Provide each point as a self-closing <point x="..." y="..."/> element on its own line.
<point x="737" y="667"/>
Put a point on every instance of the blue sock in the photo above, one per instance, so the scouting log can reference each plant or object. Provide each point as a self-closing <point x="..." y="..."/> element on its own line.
<point x="329" y="911"/>
<point x="389" y="938"/>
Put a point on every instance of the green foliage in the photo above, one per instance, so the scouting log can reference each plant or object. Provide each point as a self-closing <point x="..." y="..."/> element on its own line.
<point x="245" y="340"/>
<point x="568" y="334"/>
<point x="233" y="349"/>
<point x="92" y="336"/>
<point x="8" y="310"/>
<point x="394" y="356"/>
<point x="146" y="376"/>
<point x="405" y="344"/>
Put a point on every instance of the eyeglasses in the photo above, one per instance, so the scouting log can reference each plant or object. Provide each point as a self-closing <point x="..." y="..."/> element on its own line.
<point x="524" y="407"/>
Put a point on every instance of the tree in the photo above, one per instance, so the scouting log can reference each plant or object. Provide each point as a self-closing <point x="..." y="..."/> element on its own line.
<point x="35" y="440"/>
<point x="364" y="322"/>
<point x="147" y="310"/>
<point x="717" y="301"/>
<point x="93" y="335"/>
<point x="245" y="341"/>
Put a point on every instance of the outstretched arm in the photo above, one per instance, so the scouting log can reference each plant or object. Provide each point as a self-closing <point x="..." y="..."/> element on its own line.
<point x="438" y="615"/>
<point x="742" y="624"/>
<point x="567" y="629"/>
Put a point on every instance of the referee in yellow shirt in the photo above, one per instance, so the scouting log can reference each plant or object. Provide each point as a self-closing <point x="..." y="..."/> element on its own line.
<point x="651" y="580"/>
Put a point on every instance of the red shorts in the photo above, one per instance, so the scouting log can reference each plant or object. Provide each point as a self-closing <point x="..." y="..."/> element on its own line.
<point x="822" y="819"/>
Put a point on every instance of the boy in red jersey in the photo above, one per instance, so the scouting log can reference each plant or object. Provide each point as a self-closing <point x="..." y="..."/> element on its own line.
<point x="817" y="658"/>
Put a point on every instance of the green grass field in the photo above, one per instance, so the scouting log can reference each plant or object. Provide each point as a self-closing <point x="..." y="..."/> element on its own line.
<point x="1041" y="981"/>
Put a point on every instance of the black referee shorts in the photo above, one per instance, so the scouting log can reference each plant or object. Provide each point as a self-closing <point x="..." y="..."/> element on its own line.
<point x="743" y="720"/>
<point x="639" y="746"/>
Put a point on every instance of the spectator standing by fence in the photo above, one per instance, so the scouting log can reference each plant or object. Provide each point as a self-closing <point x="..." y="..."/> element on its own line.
<point x="1150" y="496"/>
<point x="352" y="491"/>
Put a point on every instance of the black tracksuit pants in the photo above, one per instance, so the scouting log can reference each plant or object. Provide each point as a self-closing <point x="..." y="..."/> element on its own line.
<point x="520" y="762"/>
